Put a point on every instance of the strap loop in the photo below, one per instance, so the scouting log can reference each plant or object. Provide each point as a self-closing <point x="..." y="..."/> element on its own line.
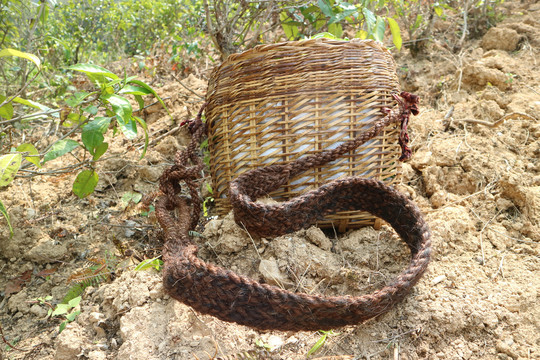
<point x="231" y="297"/>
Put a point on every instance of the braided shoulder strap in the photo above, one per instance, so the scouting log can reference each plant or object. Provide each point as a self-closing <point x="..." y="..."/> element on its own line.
<point x="226" y="295"/>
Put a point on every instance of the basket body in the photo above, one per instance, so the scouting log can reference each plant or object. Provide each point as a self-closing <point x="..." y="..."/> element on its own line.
<point x="276" y="103"/>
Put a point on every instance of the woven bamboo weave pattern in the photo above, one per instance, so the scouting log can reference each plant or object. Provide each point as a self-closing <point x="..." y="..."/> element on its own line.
<point x="276" y="103"/>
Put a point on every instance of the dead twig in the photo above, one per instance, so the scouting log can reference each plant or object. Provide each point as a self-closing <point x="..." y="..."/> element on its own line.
<point x="7" y="342"/>
<point x="510" y="116"/>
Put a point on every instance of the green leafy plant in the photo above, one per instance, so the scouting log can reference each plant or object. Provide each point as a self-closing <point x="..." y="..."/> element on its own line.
<point x="10" y="163"/>
<point x="109" y="101"/>
<point x="155" y="263"/>
<point x="262" y="344"/>
<point x="97" y="271"/>
<point x="329" y="18"/>
<point x="320" y="342"/>
<point x="208" y="201"/>
<point x="66" y="311"/>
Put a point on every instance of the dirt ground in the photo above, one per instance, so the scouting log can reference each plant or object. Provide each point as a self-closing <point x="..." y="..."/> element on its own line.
<point x="475" y="173"/>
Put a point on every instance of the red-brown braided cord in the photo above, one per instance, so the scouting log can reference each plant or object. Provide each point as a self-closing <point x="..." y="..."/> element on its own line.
<point x="213" y="290"/>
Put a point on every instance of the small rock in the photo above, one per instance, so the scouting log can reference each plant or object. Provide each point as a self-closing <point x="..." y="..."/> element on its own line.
<point x="489" y="110"/>
<point x="150" y="173"/>
<point x="168" y="146"/>
<point x="270" y="272"/>
<point x="505" y="348"/>
<point x="131" y="228"/>
<point x="17" y="302"/>
<point x="275" y="342"/>
<point x="70" y="342"/>
<point x="501" y="39"/>
<point x="97" y="355"/>
<point x="157" y="292"/>
<point x="39" y="311"/>
<point x="438" y="198"/>
<point x="490" y="320"/>
<point x="46" y="251"/>
<point x="438" y="280"/>
<point x="96" y="317"/>
<point x="317" y="237"/>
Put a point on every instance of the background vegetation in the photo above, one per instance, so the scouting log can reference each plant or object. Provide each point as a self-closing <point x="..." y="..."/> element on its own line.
<point x="55" y="56"/>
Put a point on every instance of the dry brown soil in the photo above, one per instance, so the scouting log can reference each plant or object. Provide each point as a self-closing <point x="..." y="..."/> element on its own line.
<point x="478" y="186"/>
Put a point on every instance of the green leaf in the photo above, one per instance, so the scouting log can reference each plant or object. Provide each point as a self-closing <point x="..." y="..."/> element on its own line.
<point x="151" y="208"/>
<point x="31" y="149"/>
<point x="131" y="196"/>
<point x="121" y="107"/>
<point x="145" y="128"/>
<point x="438" y="10"/>
<point x="147" y="87"/>
<point x="73" y="119"/>
<point x="73" y="315"/>
<point x="140" y="101"/>
<point x="60" y="148"/>
<point x="29" y="103"/>
<point x="6" y="111"/>
<point x="134" y="90"/>
<point x="370" y="19"/>
<point x="91" y="69"/>
<point x="325" y="7"/>
<point x="155" y="263"/>
<point x="4" y="212"/>
<point x="12" y="52"/>
<point x="317" y="345"/>
<point x="85" y="183"/>
<point x="336" y="30"/>
<point x="98" y="124"/>
<point x="100" y="150"/>
<point x="91" y="139"/>
<point x="92" y="109"/>
<point x="396" y="33"/>
<point x="61" y="309"/>
<point x="291" y="31"/>
<point x="326" y="35"/>
<point x="380" y="27"/>
<point x="44" y="14"/>
<point x="74" y="302"/>
<point x="417" y="22"/>
<point x="362" y="34"/>
<point x="129" y="129"/>
<point x="77" y="98"/>
<point x="62" y="326"/>
<point x="9" y="165"/>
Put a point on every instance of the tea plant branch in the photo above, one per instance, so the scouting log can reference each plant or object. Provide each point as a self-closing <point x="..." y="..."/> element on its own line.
<point x="79" y="125"/>
<point x="64" y="170"/>
<point x="149" y="105"/>
<point x="464" y="30"/>
<point x="188" y="89"/>
<point x="172" y="131"/>
<point x="48" y="112"/>
<point x="28" y="116"/>
<point x="265" y="19"/>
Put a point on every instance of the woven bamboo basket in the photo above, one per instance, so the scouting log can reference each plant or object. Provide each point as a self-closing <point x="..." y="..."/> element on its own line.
<point x="276" y="103"/>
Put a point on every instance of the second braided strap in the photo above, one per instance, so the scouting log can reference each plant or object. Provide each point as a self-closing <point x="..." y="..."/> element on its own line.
<point x="226" y="295"/>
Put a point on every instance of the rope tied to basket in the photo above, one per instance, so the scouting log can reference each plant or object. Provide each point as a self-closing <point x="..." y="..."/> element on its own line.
<point x="226" y="295"/>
